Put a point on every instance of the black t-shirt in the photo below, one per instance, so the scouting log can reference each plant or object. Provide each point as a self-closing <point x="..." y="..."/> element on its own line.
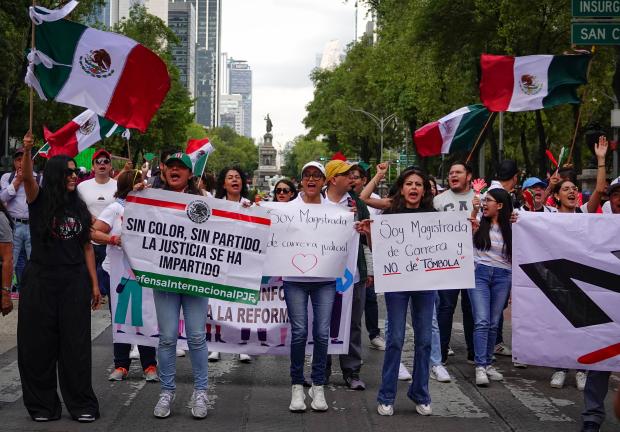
<point x="65" y="246"/>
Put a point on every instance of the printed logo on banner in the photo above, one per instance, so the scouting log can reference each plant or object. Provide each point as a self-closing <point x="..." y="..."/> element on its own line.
<point x="97" y="63"/>
<point x="198" y="211"/>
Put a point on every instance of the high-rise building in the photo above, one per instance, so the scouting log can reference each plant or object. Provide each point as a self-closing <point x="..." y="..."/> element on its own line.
<point x="182" y="21"/>
<point x="119" y="9"/>
<point x="231" y="112"/>
<point x="240" y="82"/>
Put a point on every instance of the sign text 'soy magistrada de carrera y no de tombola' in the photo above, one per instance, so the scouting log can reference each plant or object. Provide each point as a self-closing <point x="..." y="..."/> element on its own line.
<point x="195" y="245"/>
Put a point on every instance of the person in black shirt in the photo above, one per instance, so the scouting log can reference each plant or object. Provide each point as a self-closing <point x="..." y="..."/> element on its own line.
<point x="59" y="289"/>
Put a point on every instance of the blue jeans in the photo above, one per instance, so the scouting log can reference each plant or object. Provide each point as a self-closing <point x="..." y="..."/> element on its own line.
<point x="487" y="301"/>
<point x="422" y="305"/>
<point x="435" y="338"/>
<point x="322" y="296"/>
<point x="168" y="306"/>
<point x="21" y="242"/>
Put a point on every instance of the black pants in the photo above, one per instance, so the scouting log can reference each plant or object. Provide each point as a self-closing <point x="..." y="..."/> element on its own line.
<point x="445" y="313"/>
<point x="371" y="312"/>
<point x="121" y="355"/>
<point x="53" y="333"/>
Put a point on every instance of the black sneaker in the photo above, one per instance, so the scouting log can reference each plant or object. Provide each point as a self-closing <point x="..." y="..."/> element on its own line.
<point x="590" y="426"/>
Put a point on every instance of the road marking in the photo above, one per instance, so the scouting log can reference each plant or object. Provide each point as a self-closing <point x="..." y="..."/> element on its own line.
<point x="544" y="408"/>
<point x="10" y="383"/>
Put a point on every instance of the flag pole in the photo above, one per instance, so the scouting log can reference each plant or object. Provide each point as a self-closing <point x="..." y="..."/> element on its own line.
<point x="473" y="149"/>
<point x="578" y="122"/>
<point x="31" y="95"/>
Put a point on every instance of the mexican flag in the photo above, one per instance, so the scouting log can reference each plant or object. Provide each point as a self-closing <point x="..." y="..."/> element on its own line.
<point x="198" y="151"/>
<point x="110" y="74"/>
<point x="79" y="134"/>
<point x="531" y="82"/>
<point x="455" y="132"/>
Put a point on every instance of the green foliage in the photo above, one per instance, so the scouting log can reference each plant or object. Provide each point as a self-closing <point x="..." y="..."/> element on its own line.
<point x="302" y="151"/>
<point x="230" y="149"/>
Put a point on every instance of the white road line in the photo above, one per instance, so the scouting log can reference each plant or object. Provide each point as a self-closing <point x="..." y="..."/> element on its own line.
<point x="544" y="408"/>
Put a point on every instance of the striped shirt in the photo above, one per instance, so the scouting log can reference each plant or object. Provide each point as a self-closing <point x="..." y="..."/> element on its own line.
<point x="494" y="257"/>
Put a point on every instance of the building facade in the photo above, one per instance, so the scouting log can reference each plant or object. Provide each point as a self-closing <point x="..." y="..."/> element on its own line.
<point x="119" y="9"/>
<point x="231" y="112"/>
<point x="240" y="82"/>
<point x="182" y="21"/>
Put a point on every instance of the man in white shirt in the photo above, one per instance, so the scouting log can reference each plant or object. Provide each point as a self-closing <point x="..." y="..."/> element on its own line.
<point x="98" y="193"/>
<point x="13" y="196"/>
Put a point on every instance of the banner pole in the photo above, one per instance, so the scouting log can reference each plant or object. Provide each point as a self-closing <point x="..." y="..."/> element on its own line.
<point x="31" y="93"/>
<point x="473" y="149"/>
<point x="578" y="122"/>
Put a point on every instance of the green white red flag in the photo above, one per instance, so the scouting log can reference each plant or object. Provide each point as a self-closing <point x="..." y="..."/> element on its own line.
<point x="198" y="151"/>
<point x="531" y="82"/>
<point x="80" y="133"/>
<point x="114" y="76"/>
<point x="455" y="132"/>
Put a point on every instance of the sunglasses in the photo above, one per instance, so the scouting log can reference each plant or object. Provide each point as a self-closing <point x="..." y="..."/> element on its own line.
<point x="313" y="176"/>
<point x="282" y="191"/>
<point x="102" y="161"/>
<point x="70" y="171"/>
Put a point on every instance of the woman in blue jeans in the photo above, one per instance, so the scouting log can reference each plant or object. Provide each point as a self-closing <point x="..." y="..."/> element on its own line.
<point x="492" y="258"/>
<point x="168" y="307"/>
<point x="413" y="196"/>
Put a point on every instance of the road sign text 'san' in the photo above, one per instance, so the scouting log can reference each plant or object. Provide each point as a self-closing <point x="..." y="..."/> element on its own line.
<point x="592" y="33"/>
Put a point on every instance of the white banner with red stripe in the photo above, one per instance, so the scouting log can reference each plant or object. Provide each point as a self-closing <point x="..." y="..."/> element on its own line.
<point x="566" y="290"/>
<point x="195" y="245"/>
<point x="422" y="251"/>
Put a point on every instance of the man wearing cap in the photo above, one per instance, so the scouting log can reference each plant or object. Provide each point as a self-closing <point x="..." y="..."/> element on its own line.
<point x="97" y="193"/>
<point x="339" y="192"/>
<point x="538" y="188"/>
<point x="507" y="179"/>
<point x="13" y="196"/>
<point x="597" y="383"/>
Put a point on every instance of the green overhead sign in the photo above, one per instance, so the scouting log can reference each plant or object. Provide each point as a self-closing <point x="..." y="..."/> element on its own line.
<point x="596" y="8"/>
<point x="594" y="33"/>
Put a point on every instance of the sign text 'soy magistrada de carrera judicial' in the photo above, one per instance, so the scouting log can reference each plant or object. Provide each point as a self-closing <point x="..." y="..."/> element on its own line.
<point x="189" y="244"/>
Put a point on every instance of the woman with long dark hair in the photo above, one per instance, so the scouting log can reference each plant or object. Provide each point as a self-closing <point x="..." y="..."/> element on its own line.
<point x="59" y="288"/>
<point x="284" y="191"/>
<point x="493" y="267"/>
<point x="413" y="195"/>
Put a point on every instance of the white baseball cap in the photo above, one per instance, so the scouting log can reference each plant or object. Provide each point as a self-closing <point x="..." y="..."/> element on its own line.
<point x="613" y="185"/>
<point x="315" y="164"/>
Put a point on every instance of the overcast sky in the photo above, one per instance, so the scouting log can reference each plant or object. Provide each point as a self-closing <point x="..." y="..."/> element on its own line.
<point x="281" y="39"/>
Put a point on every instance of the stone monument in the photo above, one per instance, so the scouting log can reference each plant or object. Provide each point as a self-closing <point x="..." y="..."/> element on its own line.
<point x="266" y="160"/>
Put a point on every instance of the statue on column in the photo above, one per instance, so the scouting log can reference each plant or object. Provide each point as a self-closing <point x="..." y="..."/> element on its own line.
<point x="269" y="123"/>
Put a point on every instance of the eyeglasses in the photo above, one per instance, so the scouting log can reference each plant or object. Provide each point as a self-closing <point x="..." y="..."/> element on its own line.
<point x="313" y="176"/>
<point x="488" y="200"/>
<point x="282" y="191"/>
<point x="102" y="161"/>
<point x="71" y="171"/>
<point x="354" y="177"/>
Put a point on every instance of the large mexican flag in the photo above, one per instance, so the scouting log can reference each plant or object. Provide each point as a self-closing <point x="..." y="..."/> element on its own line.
<point x="114" y="76"/>
<point x="531" y="82"/>
<point x="455" y="132"/>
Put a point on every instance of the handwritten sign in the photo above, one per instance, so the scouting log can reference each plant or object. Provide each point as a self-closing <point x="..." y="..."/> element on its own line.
<point x="422" y="251"/>
<point x="308" y="239"/>
<point x="195" y="245"/>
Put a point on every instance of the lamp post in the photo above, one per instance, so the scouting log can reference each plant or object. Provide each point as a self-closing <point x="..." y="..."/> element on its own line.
<point x="381" y="123"/>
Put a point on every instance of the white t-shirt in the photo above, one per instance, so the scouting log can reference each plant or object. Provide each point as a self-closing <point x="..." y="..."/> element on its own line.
<point x="374" y="211"/>
<point x="112" y="215"/>
<point x="97" y="196"/>
<point x="450" y="201"/>
<point x="494" y="257"/>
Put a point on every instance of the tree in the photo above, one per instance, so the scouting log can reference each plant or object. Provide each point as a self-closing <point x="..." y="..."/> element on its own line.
<point x="302" y="151"/>
<point x="231" y="149"/>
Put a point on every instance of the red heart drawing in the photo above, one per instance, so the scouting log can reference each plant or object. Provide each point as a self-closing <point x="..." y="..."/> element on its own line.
<point x="304" y="262"/>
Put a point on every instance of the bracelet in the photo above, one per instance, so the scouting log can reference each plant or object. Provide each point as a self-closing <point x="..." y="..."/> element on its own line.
<point x="602" y="166"/>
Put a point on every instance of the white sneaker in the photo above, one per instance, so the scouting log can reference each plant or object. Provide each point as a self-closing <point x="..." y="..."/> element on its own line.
<point x="377" y="343"/>
<point x="244" y="358"/>
<point x="502" y="349"/>
<point x="198" y="404"/>
<point x="403" y="373"/>
<point x="385" y="410"/>
<point x="162" y="409"/>
<point x="520" y="365"/>
<point x="494" y="374"/>
<point x="318" y="398"/>
<point x="440" y="373"/>
<point x="214" y="356"/>
<point x="482" y="378"/>
<point x="424" y="409"/>
<point x="557" y="379"/>
<point x="180" y="353"/>
<point x="580" y="380"/>
<point x="297" y="398"/>
<point x="134" y="354"/>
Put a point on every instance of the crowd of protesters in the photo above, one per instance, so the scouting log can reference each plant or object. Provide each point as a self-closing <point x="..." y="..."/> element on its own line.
<point x="68" y="232"/>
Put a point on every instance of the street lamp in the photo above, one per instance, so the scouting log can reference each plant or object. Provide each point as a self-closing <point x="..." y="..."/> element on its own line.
<point x="381" y="123"/>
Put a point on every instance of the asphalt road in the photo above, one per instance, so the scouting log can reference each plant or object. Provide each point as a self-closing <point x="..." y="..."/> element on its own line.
<point x="255" y="397"/>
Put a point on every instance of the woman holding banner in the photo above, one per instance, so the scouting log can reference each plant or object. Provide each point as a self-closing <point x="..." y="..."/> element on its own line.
<point x="413" y="196"/>
<point x="493" y="267"/>
<point x="107" y="230"/>
<point x="168" y="305"/>
<point x="59" y="289"/>
<point x="231" y="185"/>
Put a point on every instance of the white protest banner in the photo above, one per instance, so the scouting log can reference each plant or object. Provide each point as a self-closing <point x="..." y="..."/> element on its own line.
<point x="422" y="251"/>
<point x="566" y="290"/>
<point x="308" y="239"/>
<point x="261" y="329"/>
<point x="195" y="245"/>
